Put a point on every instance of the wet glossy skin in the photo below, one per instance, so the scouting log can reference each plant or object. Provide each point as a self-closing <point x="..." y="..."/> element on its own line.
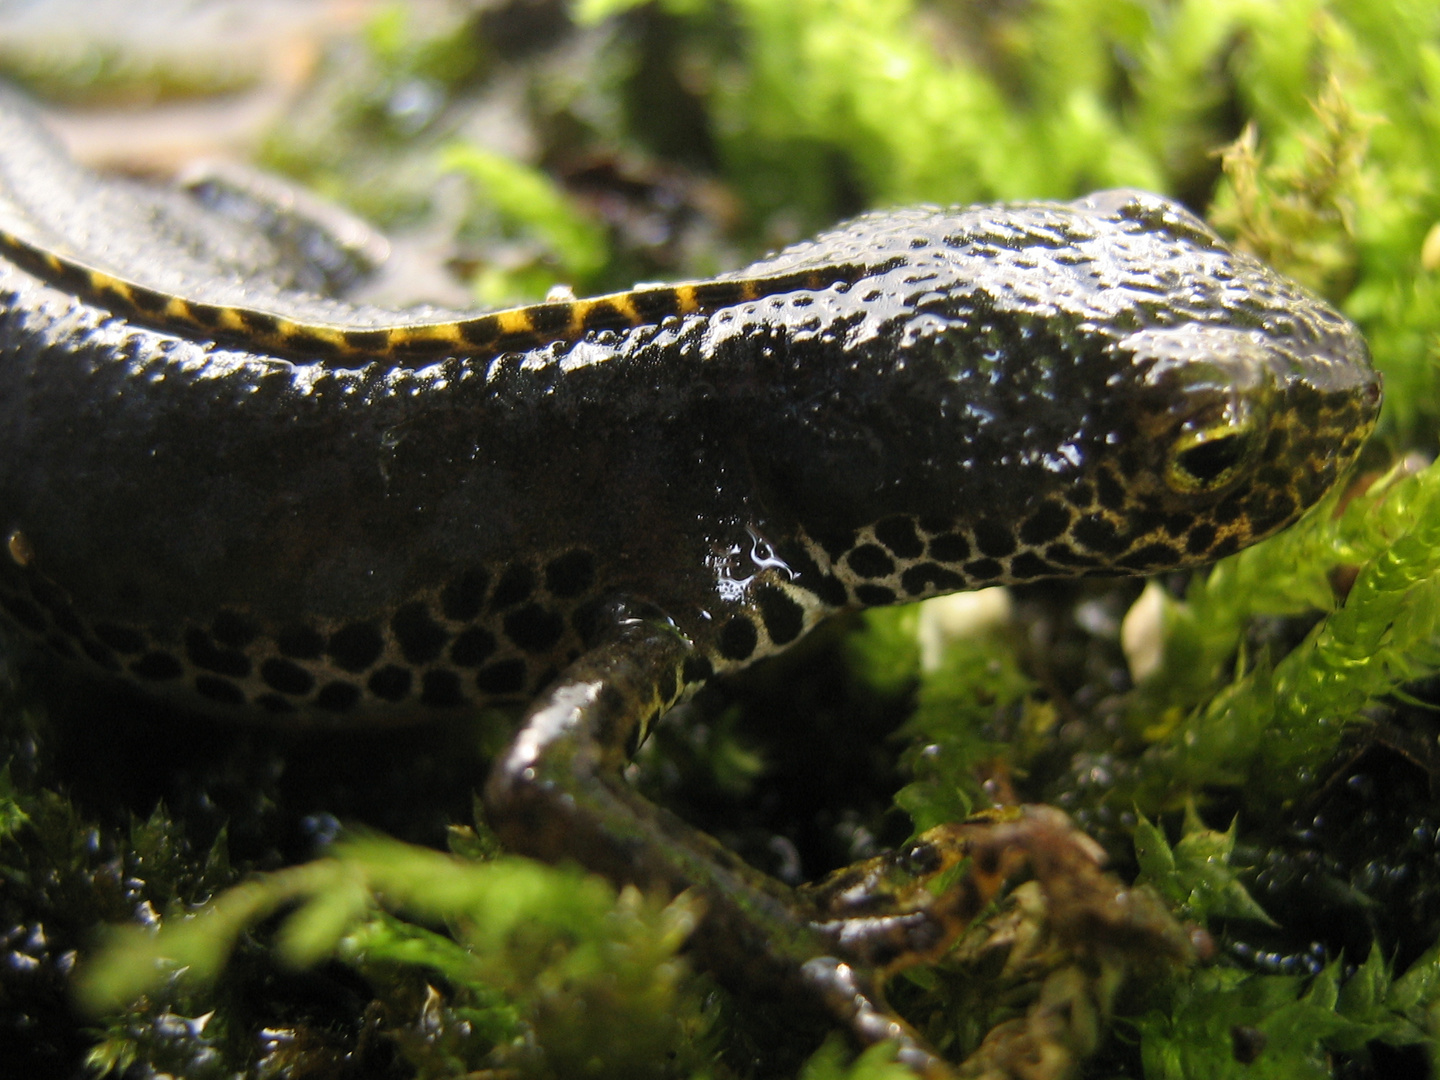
<point x="255" y="501"/>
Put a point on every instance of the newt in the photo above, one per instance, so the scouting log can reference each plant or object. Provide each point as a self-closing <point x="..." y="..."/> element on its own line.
<point x="251" y="499"/>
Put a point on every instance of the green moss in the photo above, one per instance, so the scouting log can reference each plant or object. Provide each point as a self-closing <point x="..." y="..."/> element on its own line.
<point x="535" y="956"/>
<point x="969" y="679"/>
<point x="1225" y="1024"/>
<point x="530" y="201"/>
<point x="1275" y="725"/>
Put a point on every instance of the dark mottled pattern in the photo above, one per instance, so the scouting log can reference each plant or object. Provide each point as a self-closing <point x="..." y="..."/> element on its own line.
<point x="290" y="504"/>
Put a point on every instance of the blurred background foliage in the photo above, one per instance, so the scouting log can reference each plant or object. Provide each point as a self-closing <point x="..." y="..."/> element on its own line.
<point x="1257" y="742"/>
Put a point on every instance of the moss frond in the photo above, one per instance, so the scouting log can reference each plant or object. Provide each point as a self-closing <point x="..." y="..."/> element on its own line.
<point x="533" y="954"/>
<point x="1275" y="725"/>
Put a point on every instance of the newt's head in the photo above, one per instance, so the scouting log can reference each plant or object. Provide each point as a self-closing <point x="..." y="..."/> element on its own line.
<point x="1058" y="388"/>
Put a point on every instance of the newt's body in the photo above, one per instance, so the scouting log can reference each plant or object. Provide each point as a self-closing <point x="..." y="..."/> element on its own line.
<point x="252" y="500"/>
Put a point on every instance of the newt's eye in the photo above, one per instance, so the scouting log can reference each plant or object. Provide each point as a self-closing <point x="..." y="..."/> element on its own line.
<point x="1206" y="458"/>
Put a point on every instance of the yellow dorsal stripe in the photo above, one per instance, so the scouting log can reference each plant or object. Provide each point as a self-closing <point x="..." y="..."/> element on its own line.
<point x="499" y="331"/>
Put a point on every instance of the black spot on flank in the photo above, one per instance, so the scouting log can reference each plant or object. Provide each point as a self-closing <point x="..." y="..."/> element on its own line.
<point x="549" y="321"/>
<point x="217" y="689"/>
<point x="1177" y="525"/>
<point x="570" y="574"/>
<point x="516" y="584"/>
<point x="1080" y="495"/>
<point x="930" y="577"/>
<point x="592" y="620"/>
<point x="1282" y="506"/>
<point x="1228" y="509"/>
<point x="835" y="542"/>
<point x="421" y="638"/>
<point x="1065" y="555"/>
<point x="204" y="653"/>
<point x="534" y="628"/>
<point x="157" y="667"/>
<point x="652" y="305"/>
<point x="738" y="638"/>
<point x="696" y="669"/>
<point x="367" y="341"/>
<point x="99" y="654"/>
<point x="1048" y="521"/>
<point x="874" y="595"/>
<point x="391" y="682"/>
<point x="1133" y="461"/>
<point x="472" y="647"/>
<point x="1029" y="565"/>
<point x="275" y="704"/>
<point x="1140" y="522"/>
<point x="1150" y="556"/>
<point x="985" y="569"/>
<point x="993" y="538"/>
<point x="120" y="638"/>
<point x="356" y="647"/>
<point x="24" y="612"/>
<point x="870" y="561"/>
<point x="1227" y="546"/>
<point x="286" y="676"/>
<point x="300" y="643"/>
<point x="784" y="618"/>
<point x="338" y="697"/>
<point x="827" y="587"/>
<point x="950" y="548"/>
<point x="1098" y="534"/>
<point x="440" y="689"/>
<point x="1264" y="519"/>
<point x="503" y="677"/>
<point x="234" y="630"/>
<point x="1310" y="449"/>
<point x="1200" y="538"/>
<point x="1112" y="494"/>
<point x="462" y="599"/>
<point x="899" y="535"/>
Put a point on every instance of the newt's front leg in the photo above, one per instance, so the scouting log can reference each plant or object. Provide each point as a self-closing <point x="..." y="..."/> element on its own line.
<point x="558" y="792"/>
